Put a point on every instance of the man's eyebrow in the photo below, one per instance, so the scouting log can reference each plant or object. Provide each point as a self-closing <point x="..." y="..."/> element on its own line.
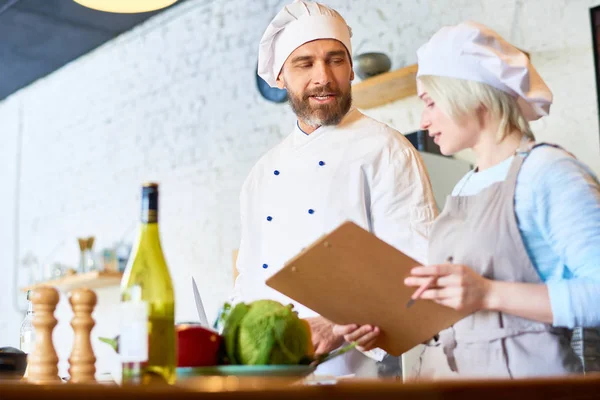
<point x="336" y="53"/>
<point x="302" y="58"/>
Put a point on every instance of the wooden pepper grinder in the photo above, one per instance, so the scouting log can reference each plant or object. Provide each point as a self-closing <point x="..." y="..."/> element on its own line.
<point x="82" y="361"/>
<point x="43" y="360"/>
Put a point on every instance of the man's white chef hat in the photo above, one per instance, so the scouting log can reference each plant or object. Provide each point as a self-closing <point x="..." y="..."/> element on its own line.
<point x="298" y="23"/>
<point x="474" y="52"/>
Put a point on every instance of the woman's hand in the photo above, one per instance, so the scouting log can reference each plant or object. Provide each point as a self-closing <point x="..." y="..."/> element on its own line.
<point x="365" y="336"/>
<point x="454" y="285"/>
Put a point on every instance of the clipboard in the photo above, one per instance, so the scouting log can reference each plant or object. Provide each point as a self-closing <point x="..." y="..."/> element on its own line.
<point x="350" y="276"/>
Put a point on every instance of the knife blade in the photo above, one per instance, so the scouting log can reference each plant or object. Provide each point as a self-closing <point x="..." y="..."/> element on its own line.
<point x="199" y="305"/>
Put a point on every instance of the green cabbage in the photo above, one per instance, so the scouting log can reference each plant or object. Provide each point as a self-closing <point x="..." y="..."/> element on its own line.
<point x="266" y="332"/>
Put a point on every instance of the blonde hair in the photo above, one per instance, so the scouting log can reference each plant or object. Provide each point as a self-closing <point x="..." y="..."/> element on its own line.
<point x="460" y="98"/>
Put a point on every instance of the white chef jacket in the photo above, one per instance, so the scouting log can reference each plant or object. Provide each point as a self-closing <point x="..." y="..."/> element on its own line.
<point x="360" y="170"/>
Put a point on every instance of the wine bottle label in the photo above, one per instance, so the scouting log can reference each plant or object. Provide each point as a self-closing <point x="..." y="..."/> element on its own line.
<point x="133" y="333"/>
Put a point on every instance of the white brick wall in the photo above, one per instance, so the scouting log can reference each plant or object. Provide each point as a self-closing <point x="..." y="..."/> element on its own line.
<point x="174" y="100"/>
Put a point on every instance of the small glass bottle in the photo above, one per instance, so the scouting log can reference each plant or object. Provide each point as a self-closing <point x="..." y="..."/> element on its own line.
<point x="87" y="262"/>
<point x="27" y="333"/>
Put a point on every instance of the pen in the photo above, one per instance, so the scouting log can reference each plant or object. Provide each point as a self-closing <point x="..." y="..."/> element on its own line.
<point x="423" y="287"/>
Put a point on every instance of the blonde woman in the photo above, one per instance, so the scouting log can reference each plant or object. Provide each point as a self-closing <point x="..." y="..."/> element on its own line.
<point x="522" y="229"/>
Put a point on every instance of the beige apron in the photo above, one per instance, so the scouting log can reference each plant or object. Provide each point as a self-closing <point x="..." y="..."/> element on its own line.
<point x="481" y="232"/>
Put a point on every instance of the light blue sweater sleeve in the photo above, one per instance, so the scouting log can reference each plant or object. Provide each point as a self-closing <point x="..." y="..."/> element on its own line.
<point x="557" y="205"/>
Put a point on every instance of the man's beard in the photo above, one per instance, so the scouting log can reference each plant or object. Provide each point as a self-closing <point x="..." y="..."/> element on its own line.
<point x="320" y="114"/>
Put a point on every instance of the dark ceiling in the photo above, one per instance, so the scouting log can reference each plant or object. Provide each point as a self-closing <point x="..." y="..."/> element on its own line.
<point x="39" y="36"/>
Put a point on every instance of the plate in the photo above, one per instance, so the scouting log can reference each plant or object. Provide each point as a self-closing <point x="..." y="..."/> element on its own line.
<point x="247" y="370"/>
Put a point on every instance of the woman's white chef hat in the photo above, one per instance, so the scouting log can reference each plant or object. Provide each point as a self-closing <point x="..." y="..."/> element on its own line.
<point x="298" y="23"/>
<point x="472" y="51"/>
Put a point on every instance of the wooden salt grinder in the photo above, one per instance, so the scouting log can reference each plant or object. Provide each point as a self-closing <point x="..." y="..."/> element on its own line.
<point x="43" y="360"/>
<point x="82" y="361"/>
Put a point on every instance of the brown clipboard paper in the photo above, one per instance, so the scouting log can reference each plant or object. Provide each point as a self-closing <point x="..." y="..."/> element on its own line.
<point x="350" y="276"/>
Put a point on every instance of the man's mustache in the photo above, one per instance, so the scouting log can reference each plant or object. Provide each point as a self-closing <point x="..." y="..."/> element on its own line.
<point x="321" y="91"/>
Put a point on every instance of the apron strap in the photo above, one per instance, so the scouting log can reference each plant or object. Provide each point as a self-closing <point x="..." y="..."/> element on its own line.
<point x="525" y="148"/>
<point x="520" y="153"/>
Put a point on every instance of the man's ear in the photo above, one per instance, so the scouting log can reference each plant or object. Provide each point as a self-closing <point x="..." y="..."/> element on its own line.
<point x="280" y="82"/>
<point x="351" y="75"/>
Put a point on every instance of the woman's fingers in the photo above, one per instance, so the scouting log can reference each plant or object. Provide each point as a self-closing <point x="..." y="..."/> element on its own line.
<point x="368" y="338"/>
<point x="450" y="280"/>
<point x="442" y="293"/>
<point x="365" y="336"/>
<point x="447" y="275"/>
<point x="367" y="346"/>
<point x="433" y="270"/>
<point x="358" y="333"/>
<point x="417" y="281"/>
<point x="341" y="330"/>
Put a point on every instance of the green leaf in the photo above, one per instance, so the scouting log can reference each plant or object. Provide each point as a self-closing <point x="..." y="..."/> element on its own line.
<point x="112" y="342"/>
<point x="231" y="329"/>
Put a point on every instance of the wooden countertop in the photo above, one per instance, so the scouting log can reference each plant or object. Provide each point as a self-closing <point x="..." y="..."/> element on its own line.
<point x="572" y="388"/>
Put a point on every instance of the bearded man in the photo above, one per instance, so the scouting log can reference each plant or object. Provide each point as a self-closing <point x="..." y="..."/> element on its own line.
<point x="336" y="165"/>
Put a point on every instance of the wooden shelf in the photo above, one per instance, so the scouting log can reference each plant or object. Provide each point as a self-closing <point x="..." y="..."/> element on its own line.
<point x="91" y="280"/>
<point x="385" y="88"/>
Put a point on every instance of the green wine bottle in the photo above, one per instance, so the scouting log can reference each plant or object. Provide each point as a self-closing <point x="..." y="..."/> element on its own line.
<point x="147" y="342"/>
